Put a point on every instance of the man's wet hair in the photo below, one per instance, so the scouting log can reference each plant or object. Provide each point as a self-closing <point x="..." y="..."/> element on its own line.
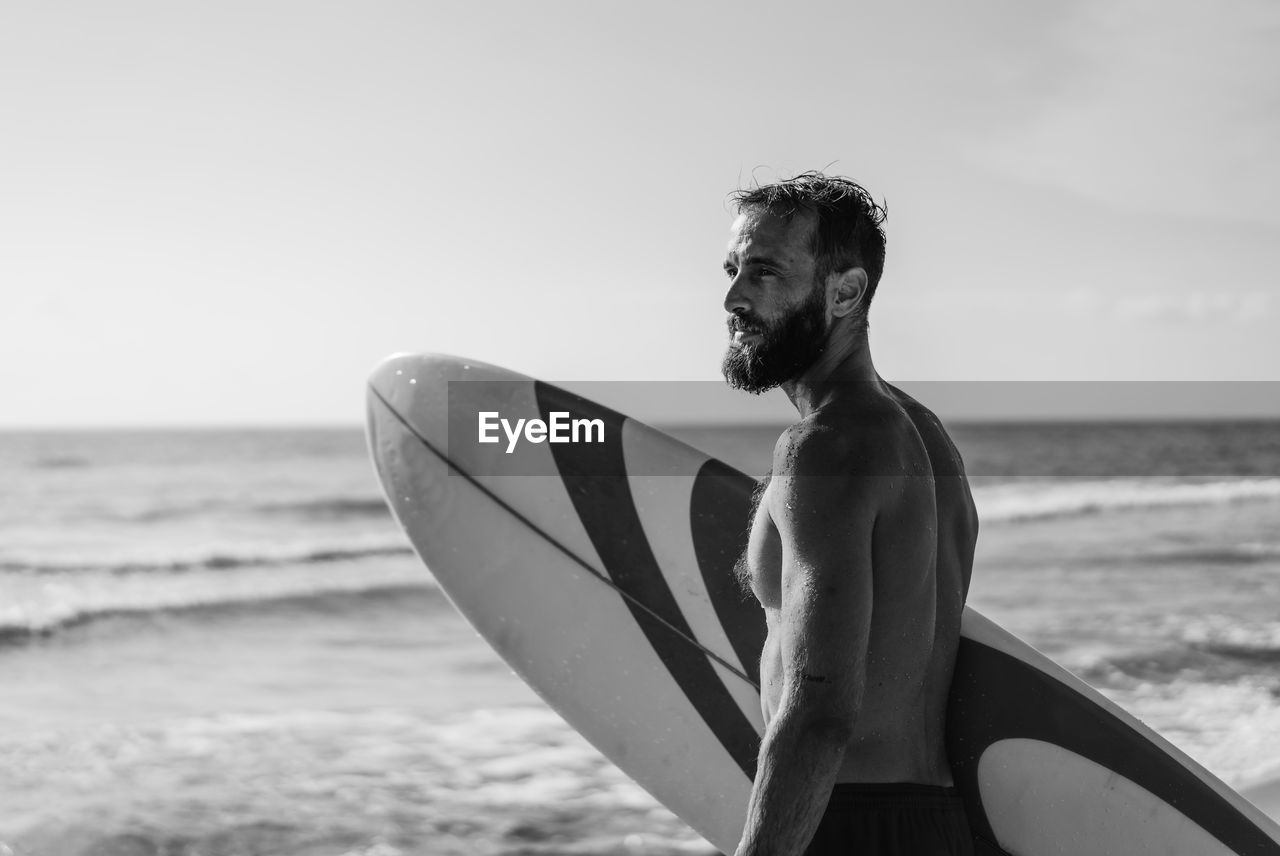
<point x="850" y="229"/>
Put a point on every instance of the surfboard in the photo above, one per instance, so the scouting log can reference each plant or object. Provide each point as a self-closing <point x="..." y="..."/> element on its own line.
<point x="596" y="554"/>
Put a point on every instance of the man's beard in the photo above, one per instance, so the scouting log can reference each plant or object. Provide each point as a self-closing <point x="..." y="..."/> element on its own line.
<point x="784" y="350"/>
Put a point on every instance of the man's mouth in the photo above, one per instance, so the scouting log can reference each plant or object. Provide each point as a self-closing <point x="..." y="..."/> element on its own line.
<point x="742" y="336"/>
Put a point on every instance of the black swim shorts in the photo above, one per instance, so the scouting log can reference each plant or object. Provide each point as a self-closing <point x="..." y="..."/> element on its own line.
<point x="893" y="820"/>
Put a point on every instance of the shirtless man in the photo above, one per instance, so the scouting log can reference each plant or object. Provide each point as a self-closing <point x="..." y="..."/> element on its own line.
<point x="861" y="544"/>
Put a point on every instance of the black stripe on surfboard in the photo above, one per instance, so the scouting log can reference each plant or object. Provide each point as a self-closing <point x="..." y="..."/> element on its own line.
<point x="634" y="604"/>
<point x="595" y="477"/>
<point x="1050" y="711"/>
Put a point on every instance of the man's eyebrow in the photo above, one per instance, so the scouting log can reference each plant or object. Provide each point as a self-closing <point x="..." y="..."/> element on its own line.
<point x="767" y="261"/>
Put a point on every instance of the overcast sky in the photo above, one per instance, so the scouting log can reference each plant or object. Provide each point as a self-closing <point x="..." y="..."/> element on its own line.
<point x="228" y="212"/>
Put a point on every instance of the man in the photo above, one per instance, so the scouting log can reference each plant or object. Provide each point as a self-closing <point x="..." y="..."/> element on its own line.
<point x="860" y="547"/>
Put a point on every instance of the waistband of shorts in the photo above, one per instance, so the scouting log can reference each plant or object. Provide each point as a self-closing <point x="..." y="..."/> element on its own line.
<point x="895" y="795"/>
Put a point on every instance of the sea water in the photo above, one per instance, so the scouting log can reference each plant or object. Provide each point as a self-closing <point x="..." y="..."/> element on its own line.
<point x="218" y="642"/>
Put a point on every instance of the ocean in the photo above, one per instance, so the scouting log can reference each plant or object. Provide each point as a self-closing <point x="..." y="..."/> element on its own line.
<point x="218" y="642"/>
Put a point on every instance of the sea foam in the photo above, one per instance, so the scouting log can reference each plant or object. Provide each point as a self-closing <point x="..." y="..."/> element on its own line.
<point x="1040" y="499"/>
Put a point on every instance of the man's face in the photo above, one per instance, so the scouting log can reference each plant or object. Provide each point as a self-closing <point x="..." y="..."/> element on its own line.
<point x="778" y="310"/>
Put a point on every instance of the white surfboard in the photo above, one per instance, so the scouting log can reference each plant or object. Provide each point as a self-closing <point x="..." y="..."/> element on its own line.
<point x="602" y="573"/>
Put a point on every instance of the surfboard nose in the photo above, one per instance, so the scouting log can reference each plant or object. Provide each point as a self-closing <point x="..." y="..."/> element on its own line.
<point x="410" y="393"/>
<point x="401" y="378"/>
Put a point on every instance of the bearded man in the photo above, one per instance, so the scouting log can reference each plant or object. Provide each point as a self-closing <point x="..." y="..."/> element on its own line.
<point x="861" y="542"/>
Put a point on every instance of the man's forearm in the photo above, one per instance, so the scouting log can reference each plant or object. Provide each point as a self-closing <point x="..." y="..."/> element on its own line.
<point x="799" y="762"/>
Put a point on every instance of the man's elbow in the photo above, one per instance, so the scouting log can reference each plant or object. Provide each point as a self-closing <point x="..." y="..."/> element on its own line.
<point x="824" y="711"/>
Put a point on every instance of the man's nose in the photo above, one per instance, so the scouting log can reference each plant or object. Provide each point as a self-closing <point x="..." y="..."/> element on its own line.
<point x="735" y="300"/>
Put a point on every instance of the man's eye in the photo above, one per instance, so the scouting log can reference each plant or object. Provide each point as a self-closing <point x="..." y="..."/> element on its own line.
<point x="730" y="272"/>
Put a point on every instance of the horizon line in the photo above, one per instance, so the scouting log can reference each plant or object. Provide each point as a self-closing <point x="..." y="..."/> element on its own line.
<point x="710" y="422"/>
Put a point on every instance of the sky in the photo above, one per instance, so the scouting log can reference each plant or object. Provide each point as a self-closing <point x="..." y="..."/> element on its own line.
<point x="228" y="213"/>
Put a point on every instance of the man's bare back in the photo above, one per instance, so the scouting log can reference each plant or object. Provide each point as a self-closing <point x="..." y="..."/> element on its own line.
<point x="920" y="543"/>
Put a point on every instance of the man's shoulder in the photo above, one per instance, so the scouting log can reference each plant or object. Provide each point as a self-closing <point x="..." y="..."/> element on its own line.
<point x="912" y="407"/>
<point x="870" y="441"/>
<point x="944" y="457"/>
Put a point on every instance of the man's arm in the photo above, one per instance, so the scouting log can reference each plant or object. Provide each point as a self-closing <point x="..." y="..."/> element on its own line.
<point x="823" y="503"/>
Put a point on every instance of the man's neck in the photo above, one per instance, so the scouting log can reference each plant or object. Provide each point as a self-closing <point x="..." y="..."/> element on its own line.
<point x="844" y="366"/>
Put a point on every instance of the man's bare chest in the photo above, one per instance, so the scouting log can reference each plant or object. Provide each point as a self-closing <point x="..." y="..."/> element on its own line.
<point x="764" y="553"/>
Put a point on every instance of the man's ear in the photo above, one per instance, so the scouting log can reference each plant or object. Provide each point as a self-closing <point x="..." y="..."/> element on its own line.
<point x="847" y="288"/>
